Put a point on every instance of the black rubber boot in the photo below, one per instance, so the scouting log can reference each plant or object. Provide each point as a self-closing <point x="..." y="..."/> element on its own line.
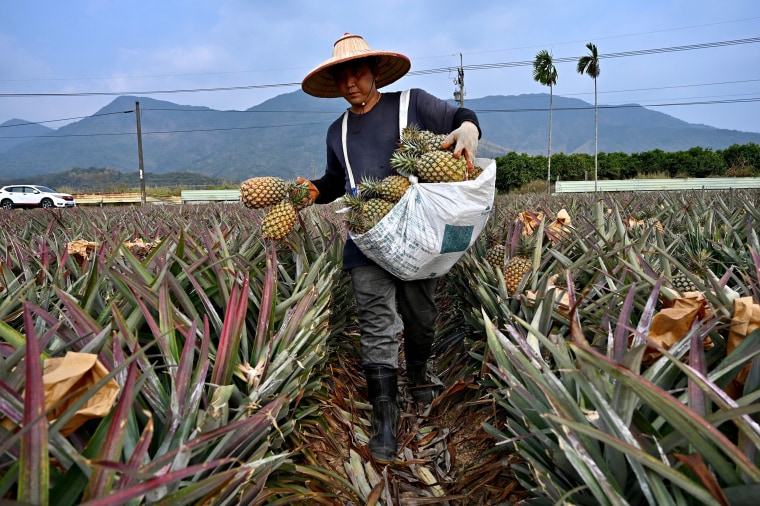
<point x="382" y="384"/>
<point x="420" y="386"/>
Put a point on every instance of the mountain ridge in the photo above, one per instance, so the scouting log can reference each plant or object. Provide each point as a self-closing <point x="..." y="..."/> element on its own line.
<point x="284" y="135"/>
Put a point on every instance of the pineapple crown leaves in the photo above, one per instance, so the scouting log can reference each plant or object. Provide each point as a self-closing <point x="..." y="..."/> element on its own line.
<point x="370" y="187"/>
<point x="411" y="133"/>
<point x="298" y="194"/>
<point x="390" y="188"/>
<point x="404" y="163"/>
<point x="356" y="223"/>
<point x="353" y="202"/>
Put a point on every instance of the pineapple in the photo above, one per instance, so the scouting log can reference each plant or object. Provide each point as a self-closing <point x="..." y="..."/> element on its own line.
<point x="418" y="155"/>
<point x="422" y="140"/>
<point x="363" y="215"/>
<point x="297" y="194"/>
<point x="391" y="188"/>
<point x="697" y="263"/>
<point x="495" y="255"/>
<point x="434" y="141"/>
<point x="375" y="209"/>
<point x="519" y="264"/>
<point x="694" y="253"/>
<point x="279" y="221"/>
<point x="404" y="162"/>
<point x="476" y="172"/>
<point x="441" y="167"/>
<point x="260" y="192"/>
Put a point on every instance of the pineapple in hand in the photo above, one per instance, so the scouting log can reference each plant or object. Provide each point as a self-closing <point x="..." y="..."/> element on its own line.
<point x="261" y="192"/>
<point x="281" y="218"/>
<point x="419" y="154"/>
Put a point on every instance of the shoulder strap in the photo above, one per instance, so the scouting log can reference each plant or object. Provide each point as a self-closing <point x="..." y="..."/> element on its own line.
<point x="403" y="111"/>
<point x="403" y="118"/>
<point x="343" y="133"/>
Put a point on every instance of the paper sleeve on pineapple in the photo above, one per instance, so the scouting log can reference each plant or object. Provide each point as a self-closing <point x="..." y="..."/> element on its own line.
<point x="746" y="319"/>
<point x="465" y="141"/>
<point x="77" y="372"/>
<point x="312" y="194"/>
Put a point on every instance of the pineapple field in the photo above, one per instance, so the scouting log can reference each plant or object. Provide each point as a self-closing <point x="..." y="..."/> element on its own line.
<point x="591" y="349"/>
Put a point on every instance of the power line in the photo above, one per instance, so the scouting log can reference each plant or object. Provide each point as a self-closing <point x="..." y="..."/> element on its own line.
<point x="625" y="106"/>
<point x="278" y="111"/>
<point x="527" y="63"/>
<point x="64" y="119"/>
<point x="535" y="109"/>
<point x="194" y="130"/>
<point x="657" y="88"/>
<point x="553" y="44"/>
<point x="484" y="66"/>
<point x="151" y="92"/>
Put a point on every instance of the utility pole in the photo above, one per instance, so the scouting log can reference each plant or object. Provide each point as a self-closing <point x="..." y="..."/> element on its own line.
<point x="459" y="94"/>
<point x="140" y="154"/>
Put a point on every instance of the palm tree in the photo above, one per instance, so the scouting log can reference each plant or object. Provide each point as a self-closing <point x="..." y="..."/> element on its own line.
<point x="589" y="64"/>
<point x="545" y="73"/>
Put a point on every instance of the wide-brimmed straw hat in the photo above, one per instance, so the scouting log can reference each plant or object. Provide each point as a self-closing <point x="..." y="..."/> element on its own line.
<point x="390" y="66"/>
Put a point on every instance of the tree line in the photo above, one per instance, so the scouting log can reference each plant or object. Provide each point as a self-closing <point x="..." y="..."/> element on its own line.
<point x="515" y="170"/>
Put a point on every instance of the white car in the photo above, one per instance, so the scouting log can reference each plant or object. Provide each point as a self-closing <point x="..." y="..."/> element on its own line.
<point x="31" y="195"/>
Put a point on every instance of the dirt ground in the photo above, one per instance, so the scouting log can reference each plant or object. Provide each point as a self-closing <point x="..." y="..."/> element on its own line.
<point x="445" y="456"/>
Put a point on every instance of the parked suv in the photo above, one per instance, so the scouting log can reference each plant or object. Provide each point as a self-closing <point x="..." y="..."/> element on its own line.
<point x="30" y="195"/>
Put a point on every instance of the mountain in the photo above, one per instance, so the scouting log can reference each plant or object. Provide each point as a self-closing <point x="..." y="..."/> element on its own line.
<point x="284" y="136"/>
<point x="15" y="131"/>
<point x="94" y="179"/>
<point x="521" y="123"/>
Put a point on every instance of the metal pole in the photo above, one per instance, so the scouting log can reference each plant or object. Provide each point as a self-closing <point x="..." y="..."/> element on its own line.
<point x="140" y="154"/>
<point x="460" y="81"/>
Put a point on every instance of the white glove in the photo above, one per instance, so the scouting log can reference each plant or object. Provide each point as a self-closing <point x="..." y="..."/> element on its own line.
<point x="466" y="138"/>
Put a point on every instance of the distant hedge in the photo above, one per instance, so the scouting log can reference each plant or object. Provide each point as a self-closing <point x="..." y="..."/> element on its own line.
<point x="515" y="170"/>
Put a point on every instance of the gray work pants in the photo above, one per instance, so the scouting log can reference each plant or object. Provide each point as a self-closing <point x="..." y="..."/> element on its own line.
<point x="381" y="299"/>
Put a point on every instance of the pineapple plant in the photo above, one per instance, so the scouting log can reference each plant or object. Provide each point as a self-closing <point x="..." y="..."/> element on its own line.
<point x="261" y="192"/>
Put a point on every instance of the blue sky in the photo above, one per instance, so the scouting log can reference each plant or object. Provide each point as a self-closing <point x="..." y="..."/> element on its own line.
<point x="130" y="47"/>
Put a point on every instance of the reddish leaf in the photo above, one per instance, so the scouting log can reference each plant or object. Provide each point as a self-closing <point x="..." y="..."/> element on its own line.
<point x="229" y="341"/>
<point x="122" y="496"/>
<point x="697" y="465"/>
<point x="101" y="480"/>
<point x="34" y="479"/>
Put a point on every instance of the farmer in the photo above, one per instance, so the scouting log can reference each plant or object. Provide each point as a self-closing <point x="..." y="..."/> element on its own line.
<point x="356" y="72"/>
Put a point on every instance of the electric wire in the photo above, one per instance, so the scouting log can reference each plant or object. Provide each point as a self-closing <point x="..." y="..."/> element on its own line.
<point x="421" y="72"/>
<point x="479" y="111"/>
<point x="482" y="66"/>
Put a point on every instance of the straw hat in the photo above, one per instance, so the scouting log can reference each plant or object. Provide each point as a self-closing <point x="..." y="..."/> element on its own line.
<point x="391" y="66"/>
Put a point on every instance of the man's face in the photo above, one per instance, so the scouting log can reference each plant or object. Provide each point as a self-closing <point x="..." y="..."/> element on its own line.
<point x="355" y="81"/>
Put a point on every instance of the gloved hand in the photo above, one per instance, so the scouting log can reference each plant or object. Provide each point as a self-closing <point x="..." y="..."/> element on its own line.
<point x="466" y="139"/>
<point x="313" y="192"/>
